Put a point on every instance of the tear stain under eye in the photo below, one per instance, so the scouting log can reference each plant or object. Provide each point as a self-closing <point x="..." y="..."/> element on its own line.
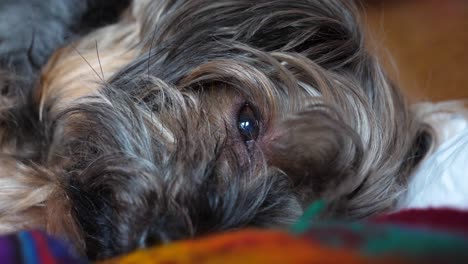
<point x="250" y="148"/>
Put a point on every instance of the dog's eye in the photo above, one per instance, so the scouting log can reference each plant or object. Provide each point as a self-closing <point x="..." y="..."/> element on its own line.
<point x="247" y="123"/>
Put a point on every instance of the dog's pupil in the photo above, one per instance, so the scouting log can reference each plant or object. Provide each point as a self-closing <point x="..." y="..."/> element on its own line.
<point x="247" y="123"/>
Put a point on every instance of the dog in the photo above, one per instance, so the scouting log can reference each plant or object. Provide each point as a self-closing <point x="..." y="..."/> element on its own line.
<point x="178" y="118"/>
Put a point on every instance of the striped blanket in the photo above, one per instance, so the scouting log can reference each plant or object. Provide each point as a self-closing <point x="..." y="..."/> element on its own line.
<point x="414" y="236"/>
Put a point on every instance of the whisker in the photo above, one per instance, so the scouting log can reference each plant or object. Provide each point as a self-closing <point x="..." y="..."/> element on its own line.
<point x="87" y="62"/>
<point x="99" y="60"/>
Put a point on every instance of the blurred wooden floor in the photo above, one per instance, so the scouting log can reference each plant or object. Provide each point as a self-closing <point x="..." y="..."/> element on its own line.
<point x="428" y="43"/>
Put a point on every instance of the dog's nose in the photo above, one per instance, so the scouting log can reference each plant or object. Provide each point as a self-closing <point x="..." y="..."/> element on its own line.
<point x="166" y="230"/>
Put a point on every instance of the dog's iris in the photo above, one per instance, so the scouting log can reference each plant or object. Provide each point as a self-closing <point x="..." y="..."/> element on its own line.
<point x="247" y="123"/>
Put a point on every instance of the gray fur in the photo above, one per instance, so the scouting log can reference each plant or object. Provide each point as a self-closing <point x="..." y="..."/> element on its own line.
<point x="157" y="155"/>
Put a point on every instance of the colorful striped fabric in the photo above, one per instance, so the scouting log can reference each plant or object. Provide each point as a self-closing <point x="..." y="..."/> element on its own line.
<point x="414" y="236"/>
<point x="34" y="247"/>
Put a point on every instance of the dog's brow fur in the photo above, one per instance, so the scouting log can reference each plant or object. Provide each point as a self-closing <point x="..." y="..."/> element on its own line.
<point x="140" y="145"/>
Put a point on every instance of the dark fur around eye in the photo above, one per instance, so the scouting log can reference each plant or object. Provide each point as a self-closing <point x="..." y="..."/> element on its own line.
<point x="247" y="123"/>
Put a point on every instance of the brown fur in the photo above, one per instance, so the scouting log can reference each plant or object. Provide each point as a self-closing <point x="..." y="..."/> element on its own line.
<point x="140" y="143"/>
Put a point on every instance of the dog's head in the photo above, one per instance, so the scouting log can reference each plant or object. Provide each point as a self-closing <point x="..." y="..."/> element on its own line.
<point x="234" y="113"/>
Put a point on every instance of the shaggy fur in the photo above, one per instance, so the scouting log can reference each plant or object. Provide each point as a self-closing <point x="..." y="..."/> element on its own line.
<point x="131" y="135"/>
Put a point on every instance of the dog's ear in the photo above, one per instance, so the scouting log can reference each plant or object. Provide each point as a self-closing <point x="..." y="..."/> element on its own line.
<point x="320" y="153"/>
